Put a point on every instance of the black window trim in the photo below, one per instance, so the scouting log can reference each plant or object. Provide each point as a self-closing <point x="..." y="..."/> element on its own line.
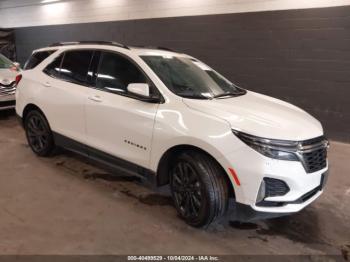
<point x="93" y="80"/>
<point x="86" y="84"/>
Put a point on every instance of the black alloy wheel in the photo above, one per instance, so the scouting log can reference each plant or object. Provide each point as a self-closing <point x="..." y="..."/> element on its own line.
<point x="39" y="134"/>
<point x="199" y="188"/>
<point x="186" y="189"/>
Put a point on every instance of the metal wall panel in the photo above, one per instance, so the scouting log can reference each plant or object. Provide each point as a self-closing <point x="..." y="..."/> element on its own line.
<point x="301" y="56"/>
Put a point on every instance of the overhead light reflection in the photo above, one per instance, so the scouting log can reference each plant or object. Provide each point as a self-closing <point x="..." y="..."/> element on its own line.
<point x="49" y="1"/>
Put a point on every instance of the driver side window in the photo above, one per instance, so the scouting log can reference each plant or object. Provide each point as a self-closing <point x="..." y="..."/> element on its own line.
<point x="115" y="73"/>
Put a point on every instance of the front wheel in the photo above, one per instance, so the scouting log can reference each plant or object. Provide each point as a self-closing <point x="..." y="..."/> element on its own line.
<point x="39" y="134"/>
<point x="199" y="188"/>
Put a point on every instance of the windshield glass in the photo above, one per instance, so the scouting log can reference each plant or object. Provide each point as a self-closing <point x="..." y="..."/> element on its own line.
<point x="191" y="78"/>
<point x="4" y="62"/>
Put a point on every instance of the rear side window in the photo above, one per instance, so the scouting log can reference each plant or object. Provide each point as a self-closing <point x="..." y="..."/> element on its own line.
<point x="53" y="69"/>
<point x="37" y="58"/>
<point x="75" y="66"/>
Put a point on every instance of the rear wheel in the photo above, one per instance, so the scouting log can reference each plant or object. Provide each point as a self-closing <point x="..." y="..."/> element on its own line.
<point x="39" y="134"/>
<point x="198" y="188"/>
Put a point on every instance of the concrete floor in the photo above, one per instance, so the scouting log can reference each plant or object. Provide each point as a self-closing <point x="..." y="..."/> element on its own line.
<point x="63" y="205"/>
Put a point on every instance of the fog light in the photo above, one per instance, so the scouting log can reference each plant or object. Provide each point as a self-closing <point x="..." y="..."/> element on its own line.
<point x="262" y="192"/>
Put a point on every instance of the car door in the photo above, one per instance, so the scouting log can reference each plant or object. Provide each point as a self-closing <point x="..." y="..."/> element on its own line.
<point x="116" y="123"/>
<point x="65" y="93"/>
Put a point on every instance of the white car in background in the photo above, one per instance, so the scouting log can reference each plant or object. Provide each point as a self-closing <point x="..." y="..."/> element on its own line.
<point x="9" y="77"/>
<point x="169" y="117"/>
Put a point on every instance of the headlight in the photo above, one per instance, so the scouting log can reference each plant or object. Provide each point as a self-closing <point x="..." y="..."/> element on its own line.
<point x="273" y="148"/>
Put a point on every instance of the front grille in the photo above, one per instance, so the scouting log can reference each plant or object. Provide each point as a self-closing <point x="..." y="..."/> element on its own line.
<point x="275" y="187"/>
<point x="314" y="154"/>
<point x="8" y="89"/>
<point x="316" y="160"/>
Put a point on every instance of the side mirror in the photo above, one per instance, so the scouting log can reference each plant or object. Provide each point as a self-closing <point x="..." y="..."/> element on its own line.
<point x="139" y="89"/>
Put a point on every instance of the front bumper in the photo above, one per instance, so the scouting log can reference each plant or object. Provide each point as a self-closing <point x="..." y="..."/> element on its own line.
<point x="7" y="102"/>
<point x="247" y="213"/>
<point x="252" y="167"/>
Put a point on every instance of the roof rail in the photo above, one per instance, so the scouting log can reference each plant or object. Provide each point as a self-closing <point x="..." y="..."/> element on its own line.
<point x="156" y="47"/>
<point x="89" y="43"/>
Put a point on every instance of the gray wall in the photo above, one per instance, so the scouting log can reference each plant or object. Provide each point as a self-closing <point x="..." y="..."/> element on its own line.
<point x="301" y="56"/>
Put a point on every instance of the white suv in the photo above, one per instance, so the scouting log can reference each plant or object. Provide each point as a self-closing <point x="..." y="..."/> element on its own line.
<point x="169" y="117"/>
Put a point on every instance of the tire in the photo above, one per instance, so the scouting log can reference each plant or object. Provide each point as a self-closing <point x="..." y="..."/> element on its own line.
<point x="199" y="188"/>
<point x="39" y="134"/>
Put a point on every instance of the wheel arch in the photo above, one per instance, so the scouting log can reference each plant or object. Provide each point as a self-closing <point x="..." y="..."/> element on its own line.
<point x="166" y="159"/>
<point x="31" y="107"/>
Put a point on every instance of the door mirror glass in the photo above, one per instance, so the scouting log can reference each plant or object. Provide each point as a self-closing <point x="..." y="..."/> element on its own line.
<point x="139" y="89"/>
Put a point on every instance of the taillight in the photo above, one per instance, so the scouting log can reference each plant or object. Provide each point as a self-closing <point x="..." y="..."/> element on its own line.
<point x="18" y="79"/>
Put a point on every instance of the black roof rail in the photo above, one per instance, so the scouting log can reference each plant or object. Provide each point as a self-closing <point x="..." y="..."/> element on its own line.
<point x="156" y="47"/>
<point x="89" y="43"/>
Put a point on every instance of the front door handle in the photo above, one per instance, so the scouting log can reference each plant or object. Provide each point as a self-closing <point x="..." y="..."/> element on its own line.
<point x="95" y="99"/>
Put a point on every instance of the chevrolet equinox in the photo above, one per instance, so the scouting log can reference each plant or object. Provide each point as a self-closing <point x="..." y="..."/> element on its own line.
<point x="170" y="118"/>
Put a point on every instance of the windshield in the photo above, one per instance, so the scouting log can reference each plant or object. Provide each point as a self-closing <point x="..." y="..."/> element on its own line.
<point x="191" y="78"/>
<point x="5" y="63"/>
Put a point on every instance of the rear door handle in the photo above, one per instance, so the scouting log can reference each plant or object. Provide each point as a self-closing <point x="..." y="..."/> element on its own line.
<point x="47" y="84"/>
<point x="95" y="99"/>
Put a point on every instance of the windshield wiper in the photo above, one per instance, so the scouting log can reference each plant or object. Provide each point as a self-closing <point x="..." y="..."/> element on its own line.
<point x="194" y="96"/>
<point x="230" y="94"/>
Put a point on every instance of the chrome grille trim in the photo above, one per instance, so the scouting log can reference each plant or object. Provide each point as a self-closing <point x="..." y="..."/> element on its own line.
<point x="311" y="147"/>
<point x="8" y="89"/>
<point x="313" y="154"/>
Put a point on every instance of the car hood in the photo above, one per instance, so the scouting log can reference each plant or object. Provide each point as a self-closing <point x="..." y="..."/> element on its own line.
<point x="7" y="76"/>
<point x="261" y="116"/>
